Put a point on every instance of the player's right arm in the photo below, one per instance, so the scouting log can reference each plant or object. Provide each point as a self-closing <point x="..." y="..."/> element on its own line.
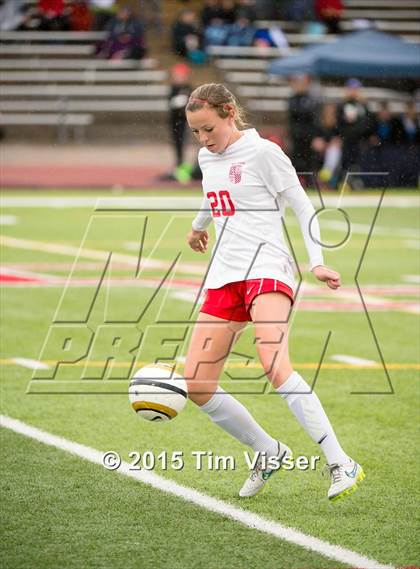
<point x="198" y="240"/>
<point x="198" y="237"/>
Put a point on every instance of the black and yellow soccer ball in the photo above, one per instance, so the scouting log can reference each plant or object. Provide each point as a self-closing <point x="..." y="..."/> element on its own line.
<point x="157" y="393"/>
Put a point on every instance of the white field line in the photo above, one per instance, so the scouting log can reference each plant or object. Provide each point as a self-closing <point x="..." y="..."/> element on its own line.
<point x="30" y="364"/>
<point x="412" y="244"/>
<point x="411" y="279"/>
<point x="185" y="295"/>
<point x="165" y="202"/>
<point x="363" y="229"/>
<point x="8" y="220"/>
<point x="342" y="358"/>
<point x="225" y="509"/>
<point x="58" y="249"/>
<point x="346" y="293"/>
<point x="370" y="300"/>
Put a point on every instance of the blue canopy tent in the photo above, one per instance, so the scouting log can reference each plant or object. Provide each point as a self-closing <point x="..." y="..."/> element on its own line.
<point x="363" y="54"/>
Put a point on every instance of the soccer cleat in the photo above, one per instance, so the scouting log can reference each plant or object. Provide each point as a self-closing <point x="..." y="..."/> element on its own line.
<point x="345" y="479"/>
<point x="183" y="173"/>
<point x="259" y="476"/>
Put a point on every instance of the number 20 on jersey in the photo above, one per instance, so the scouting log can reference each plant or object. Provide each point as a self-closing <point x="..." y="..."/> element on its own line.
<point x="221" y="203"/>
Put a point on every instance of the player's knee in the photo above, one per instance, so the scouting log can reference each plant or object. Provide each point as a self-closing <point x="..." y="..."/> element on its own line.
<point x="277" y="371"/>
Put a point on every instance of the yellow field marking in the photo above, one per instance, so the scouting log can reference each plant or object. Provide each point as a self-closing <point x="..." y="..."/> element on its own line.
<point x="312" y="365"/>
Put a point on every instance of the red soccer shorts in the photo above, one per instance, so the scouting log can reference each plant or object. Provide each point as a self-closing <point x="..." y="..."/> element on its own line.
<point x="233" y="300"/>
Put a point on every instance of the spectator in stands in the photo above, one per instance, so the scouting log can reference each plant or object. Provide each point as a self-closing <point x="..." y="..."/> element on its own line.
<point x="81" y="17"/>
<point x="54" y="15"/>
<point x="247" y="9"/>
<point x="153" y="11"/>
<point x="326" y="145"/>
<point x="302" y="122"/>
<point x="270" y="37"/>
<point x="330" y="12"/>
<point x="355" y="124"/>
<point x="186" y="36"/>
<point x="407" y="138"/>
<point x="216" y="32"/>
<point x="241" y="32"/>
<point x="228" y="11"/>
<point x="31" y="19"/>
<point x="11" y="14"/>
<point x="296" y="10"/>
<point x="407" y="126"/>
<point x="384" y="127"/>
<point x="180" y="91"/>
<point x="210" y="11"/>
<point x="382" y="151"/>
<point x="269" y="9"/>
<point x="125" y="37"/>
<point x="104" y="11"/>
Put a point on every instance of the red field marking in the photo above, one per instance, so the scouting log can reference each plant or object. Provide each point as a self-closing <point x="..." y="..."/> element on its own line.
<point x="322" y="305"/>
<point x="384" y="290"/>
<point x="81" y="265"/>
<point x="80" y="176"/>
<point x="17" y="279"/>
<point x="315" y="290"/>
<point x="313" y="304"/>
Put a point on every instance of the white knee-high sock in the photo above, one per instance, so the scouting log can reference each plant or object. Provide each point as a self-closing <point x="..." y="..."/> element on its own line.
<point x="235" y="419"/>
<point x="308" y="410"/>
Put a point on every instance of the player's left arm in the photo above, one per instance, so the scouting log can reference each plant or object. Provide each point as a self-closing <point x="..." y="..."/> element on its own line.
<point x="280" y="177"/>
<point x="302" y="206"/>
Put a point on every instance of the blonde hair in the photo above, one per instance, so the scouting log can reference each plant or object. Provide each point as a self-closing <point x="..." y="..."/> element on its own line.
<point x="218" y="97"/>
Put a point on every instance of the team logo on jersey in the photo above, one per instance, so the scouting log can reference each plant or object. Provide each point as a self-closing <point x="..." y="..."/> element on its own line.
<point x="235" y="173"/>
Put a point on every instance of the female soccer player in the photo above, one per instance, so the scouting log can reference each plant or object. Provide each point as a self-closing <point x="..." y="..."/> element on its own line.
<point x="247" y="182"/>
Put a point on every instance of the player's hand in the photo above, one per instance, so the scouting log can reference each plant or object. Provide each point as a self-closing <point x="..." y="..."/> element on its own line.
<point x="198" y="240"/>
<point x="326" y="275"/>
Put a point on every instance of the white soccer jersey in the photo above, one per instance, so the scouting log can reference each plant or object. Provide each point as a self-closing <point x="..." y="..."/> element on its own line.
<point x="246" y="188"/>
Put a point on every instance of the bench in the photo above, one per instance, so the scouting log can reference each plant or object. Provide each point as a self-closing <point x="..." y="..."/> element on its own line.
<point x="61" y="64"/>
<point x="55" y="49"/>
<point x="98" y="91"/>
<point x="299" y="39"/>
<point x="248" y="77"/>
<point x="82" y="76"/>
<point x="39" y="36"/>
<point x="247" y="64"/>
<point x="233" y="51"/>
<point x="382" y="4"/>
<point x="378" y="14"/>
<point x="88" y="106"/>
<point x="63" y="121"/>
<point x="391" y="27"/>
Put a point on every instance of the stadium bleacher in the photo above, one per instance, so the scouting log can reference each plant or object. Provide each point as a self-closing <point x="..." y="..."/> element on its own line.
<point x="57" y="73"/>
<point x="77" y="89"/>
<point x="244" y="69"/>
<point x="62" y="121"/>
